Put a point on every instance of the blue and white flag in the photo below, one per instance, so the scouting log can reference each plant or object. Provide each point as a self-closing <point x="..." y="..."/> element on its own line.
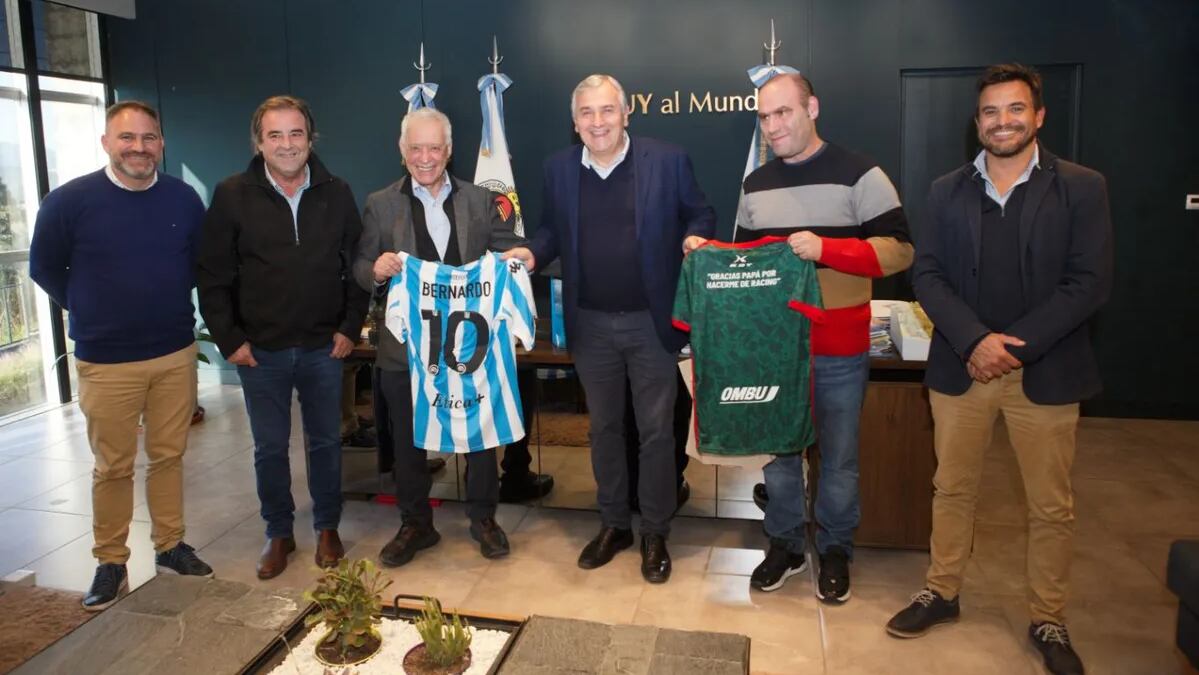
<point x="419" y="95"/>
<point x="494" y="167"/>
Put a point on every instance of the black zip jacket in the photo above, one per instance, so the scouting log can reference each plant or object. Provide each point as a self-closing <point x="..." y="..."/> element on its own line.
<point x="260" y="283"/>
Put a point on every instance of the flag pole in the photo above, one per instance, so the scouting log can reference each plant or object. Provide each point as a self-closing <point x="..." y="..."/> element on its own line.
<point x="421" y="65"/>
<point x="495" y="57"/>
<point x="772" y="46"/>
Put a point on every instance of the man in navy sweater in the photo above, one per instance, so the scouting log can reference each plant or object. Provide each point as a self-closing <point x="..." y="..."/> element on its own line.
<point x="116" y="248"/>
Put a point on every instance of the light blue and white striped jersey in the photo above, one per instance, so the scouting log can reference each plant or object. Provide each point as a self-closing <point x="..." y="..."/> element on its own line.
<point x="461" y="325"/>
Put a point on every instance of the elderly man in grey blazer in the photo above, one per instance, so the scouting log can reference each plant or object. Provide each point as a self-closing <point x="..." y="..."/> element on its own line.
<point x="435" y="217"/>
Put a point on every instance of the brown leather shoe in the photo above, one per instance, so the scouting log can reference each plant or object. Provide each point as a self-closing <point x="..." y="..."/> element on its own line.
<point x="273" y="560"/>
<point x="328" y="548"/>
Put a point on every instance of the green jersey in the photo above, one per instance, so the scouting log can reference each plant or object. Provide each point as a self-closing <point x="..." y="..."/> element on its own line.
<point x="748" y="308"/>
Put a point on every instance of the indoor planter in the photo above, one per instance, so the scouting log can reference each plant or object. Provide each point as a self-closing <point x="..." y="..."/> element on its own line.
<point x="445" y="644"/>
<point x="294" y="653"/>
<point x="350" y="602"/>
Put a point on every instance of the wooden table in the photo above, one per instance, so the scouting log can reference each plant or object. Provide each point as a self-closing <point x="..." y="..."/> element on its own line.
<point x="896" y="461"/>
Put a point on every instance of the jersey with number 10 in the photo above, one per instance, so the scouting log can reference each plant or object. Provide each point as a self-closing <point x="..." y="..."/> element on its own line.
<point x="748" y="308"/>
<point x="461" y="325"/>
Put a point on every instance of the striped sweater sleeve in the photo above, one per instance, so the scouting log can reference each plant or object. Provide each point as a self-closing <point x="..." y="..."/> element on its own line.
<point x="887" y="243"/>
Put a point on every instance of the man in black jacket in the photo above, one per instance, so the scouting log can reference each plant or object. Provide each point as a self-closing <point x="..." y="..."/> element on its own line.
<point x="276" y="292"/>
<point x="1014" y="261"/>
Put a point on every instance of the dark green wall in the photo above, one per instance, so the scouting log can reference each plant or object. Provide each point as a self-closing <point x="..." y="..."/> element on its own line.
<point x="1131" y="101"/>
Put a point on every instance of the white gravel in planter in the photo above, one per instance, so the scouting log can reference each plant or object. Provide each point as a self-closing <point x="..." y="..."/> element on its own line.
<point x="398" y="637"/>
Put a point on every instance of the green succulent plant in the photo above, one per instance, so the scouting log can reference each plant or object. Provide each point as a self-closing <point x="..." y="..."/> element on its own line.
<point x="350" y="597"/>
<point x="446" y="641"/>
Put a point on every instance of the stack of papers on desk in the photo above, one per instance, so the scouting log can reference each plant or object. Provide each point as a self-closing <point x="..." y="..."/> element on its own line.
<point x="881" y="346"/>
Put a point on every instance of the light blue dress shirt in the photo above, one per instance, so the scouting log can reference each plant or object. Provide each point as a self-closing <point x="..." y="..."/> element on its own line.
<point x="436" y="219"/>
<point x="293" y="202"/>
<point x="980" y="169"/>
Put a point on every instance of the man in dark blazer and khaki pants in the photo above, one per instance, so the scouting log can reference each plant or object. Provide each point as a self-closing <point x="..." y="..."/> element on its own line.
<point x="1015" y="259"/>
<point x="621" y="212"/>
<point x="436" y="217"/>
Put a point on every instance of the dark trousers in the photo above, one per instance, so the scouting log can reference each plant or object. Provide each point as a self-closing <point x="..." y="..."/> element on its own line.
<point x="610" y="348"/>
<point x="517" y="459"/>
<point x="386" y="454"/>
<point x="412" y="478"/>
<point x="268" y="388"/>
<point x="632" y="438"/>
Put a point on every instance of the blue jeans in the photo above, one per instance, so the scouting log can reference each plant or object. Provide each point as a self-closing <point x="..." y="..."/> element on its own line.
<point x="840" y="386"/>
<point x="316" y="376"/>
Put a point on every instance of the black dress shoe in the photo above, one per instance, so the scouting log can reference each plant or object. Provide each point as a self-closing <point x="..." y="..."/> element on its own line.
<point x="760" y="496"/>
<point x="655" y="559"/>
<point x="493" y="543"/>
<point x="528" y="487"/>
<point x="600" y="551"/>
<point x="410" y="539"/>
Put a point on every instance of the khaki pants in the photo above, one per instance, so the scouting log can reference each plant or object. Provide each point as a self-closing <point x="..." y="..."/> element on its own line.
<point x="1043" y="439"/>
<point x="114" y="397"/>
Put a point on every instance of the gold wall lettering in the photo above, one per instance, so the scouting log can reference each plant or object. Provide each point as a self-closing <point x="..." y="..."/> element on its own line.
<point x="677" y="102"/>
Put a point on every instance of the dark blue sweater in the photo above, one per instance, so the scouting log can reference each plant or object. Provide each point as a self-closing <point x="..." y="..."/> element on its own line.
<point x="122" y="263"/>
<point x="609" y="263"/>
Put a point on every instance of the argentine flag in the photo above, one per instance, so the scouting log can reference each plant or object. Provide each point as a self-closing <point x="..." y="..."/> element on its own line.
<point x="494" y="167"/>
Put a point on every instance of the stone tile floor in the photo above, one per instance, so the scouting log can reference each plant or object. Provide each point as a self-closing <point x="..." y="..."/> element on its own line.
<point x="1136" y="484"/>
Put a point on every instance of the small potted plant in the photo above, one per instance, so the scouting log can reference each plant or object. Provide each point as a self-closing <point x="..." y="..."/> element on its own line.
<point x="445" y="649"/>
<point x="350" y="597"/>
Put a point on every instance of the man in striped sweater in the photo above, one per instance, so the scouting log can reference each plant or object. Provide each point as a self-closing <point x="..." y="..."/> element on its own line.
<point x="839" y="210"/>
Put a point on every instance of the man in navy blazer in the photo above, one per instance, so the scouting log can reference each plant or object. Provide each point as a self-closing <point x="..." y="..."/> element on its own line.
<point x="621" y="212"/>
<point x="1015" y="259"/>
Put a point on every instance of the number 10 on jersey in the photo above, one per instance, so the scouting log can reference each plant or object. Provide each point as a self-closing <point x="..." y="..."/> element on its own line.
<point x="441" y="345"/>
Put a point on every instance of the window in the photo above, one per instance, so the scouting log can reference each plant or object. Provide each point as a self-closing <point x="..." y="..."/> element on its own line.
<point x="68" y="97"/>
<point x="67" y="39"/>
<point x="25" y="378"/>
<point x="10" y="35"/>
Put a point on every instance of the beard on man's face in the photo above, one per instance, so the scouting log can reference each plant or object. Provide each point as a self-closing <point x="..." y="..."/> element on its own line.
<point x="1009" y="147"/>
